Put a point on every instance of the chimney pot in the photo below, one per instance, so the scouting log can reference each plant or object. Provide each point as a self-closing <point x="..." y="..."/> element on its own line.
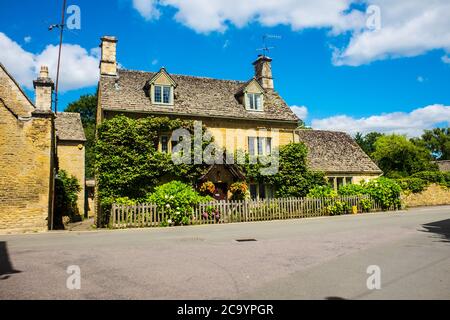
<point x="108" y="63"/>
<point x="263" y="72"/>
<point x="43" y="89"/>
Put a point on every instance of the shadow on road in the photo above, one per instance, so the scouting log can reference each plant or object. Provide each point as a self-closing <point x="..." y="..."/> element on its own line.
<point x="440" y="228"/>
<point x="6" y="268"/>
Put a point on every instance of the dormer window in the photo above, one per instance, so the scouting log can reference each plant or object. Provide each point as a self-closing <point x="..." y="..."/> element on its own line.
<point x="254" y="101"/>
<point x="161" y="88"/>
<point x="162" y="94"/>
<point x="251" y="95"/>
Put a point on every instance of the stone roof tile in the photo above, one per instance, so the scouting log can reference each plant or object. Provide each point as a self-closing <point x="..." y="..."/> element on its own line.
<point x="194" y="96"/>
<point x="69" y="127"/>
<point x="336" y="152"/>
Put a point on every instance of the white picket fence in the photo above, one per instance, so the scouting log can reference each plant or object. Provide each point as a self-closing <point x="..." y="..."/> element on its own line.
<point x="218" y="212"/>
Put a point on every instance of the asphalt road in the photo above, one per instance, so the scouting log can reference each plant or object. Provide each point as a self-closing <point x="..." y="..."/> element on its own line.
<point x="320" y="258"/>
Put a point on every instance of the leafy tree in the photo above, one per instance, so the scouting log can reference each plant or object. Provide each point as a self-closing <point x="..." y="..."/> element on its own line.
<point x="86" y="106"/>
<point x="437" y="141"/>
<point x="399" y="157"/>
<point x="367" y="142"/>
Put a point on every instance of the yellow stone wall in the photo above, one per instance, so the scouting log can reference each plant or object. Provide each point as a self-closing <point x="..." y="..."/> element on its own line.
<point x="434" y="195"/>
<point x="71" y="159"/>
<point x="25" y="172"/>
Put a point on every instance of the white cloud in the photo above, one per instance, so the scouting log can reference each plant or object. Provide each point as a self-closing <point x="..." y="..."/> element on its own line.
<point x="300" y="111"/>
<point x="412" y="123"/>
<point x="27" y="39"/>
<point x="409" y="28"/>
<point x="147" y="9"/>
<point x="79" y="68"/>
<point x="206" y="16"/>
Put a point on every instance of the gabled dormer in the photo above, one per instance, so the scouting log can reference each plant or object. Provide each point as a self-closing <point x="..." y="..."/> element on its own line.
<point x="251" y="95"/>
<point x="161" y="88"/>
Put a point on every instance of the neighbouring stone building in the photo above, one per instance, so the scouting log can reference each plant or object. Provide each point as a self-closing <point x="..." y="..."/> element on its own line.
<point x="27" y="150"/>
<point x="29" y="145"/>
<point x="443" y="165"/>
<point x="338" y="156"/>
<point x="70" y="151"/>
<point x="250" y="114"/>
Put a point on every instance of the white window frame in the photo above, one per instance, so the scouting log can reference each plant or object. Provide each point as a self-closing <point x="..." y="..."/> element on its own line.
<point x="256" y="146"/>
<point x="269" y="191"/>
<point x="162" y="94"/>
<point x="251" y="98"/>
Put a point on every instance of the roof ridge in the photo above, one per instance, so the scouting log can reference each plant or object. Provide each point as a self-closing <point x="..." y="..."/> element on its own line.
<point x="183" y="75"/>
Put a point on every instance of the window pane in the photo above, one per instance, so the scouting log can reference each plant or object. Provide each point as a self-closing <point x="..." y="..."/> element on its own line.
<point x="174" y="143"/>
<point x="157" y="95"/>
<point x="262" y="191"/>
<point x="166" y="94"/>
<point x="164" y="144"/>
<point x="251" y="98"/>
<point x="258" y="101"/>
<point x="268" y="146"/>
<point x="251" y="146"/>
<point x="253" y="191"/>
<point x="260" y="146"/>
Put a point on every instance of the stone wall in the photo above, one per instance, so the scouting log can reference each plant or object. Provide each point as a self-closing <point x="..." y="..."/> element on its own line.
<point x="71" y="160"/>
<point x="26" y="164"/>
<point x="434" y="195"/>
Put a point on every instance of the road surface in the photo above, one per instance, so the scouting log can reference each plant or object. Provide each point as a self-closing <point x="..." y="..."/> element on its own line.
<point x="318" y="258"/>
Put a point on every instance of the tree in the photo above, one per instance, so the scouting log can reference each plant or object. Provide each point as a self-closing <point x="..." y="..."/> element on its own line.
<point x="367" y="142"/>
<point x="437" y="141"/>
<point x="399" y="157"/>
<point x="86" y="106"/>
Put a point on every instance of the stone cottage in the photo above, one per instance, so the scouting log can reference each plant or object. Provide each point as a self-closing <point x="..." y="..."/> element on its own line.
<point x="251" y="113"/>
<point x="28" y="154"/>
<point x="70" y="151"/>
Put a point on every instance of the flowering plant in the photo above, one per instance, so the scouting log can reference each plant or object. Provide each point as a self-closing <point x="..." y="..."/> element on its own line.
<point x="239" y="190"/>
<point x="208" y="188"/>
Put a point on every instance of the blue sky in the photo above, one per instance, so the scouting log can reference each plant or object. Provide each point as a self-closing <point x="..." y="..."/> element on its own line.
<point x="339" y="73"/>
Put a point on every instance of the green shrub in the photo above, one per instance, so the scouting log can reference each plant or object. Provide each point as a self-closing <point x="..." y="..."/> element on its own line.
<point x="338" y="208"/>
<point x="322" y="192"/>
<point x="431" y="176"/>
<point x="414" y="185"/>
<point x="177" y="199"/>
<point x="366" y="204"/>
<point x="352" y="190"/>
<point x="293" y="178"/>
<point x="385" y="191"/>
<point x="67" y="188"/>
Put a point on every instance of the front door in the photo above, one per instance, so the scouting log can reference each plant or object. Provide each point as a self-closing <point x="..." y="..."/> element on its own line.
<point x="221" y="191"/>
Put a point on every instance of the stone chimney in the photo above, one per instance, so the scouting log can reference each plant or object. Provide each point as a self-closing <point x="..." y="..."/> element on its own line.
<point x="263" y="72"/>
<point x="43" y="88"/>
<point x="108" y="63"/>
